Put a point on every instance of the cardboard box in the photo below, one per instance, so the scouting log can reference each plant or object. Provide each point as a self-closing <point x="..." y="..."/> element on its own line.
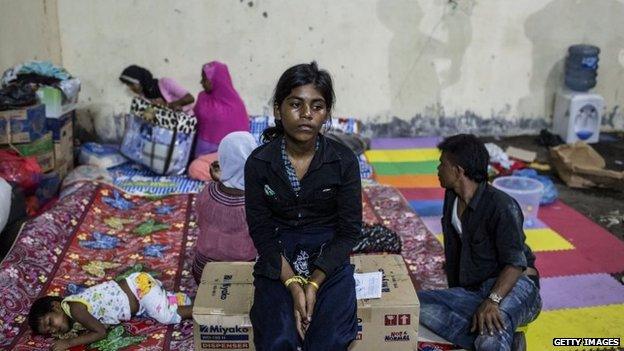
<point x="26" y="125"/>
<point x="42" y="149"/>
<point x="63" y="168"/>
<point x="225" y="295"/>
<point x="221" y="308"/>
<point x="62" y="129"/>
<point x="580" y="166"/>
<point x="64" y="153"/>
<point x="521" y="154"/>
<point x="60" y="126"/>
<point x="389" y="323"/>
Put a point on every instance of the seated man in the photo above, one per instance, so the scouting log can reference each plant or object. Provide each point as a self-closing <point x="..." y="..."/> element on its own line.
<point x="493" y="284"/>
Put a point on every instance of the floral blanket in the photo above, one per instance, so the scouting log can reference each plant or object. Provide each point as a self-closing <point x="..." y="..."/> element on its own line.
<point x="421" y="251"/>
<point x="98" y="234"/>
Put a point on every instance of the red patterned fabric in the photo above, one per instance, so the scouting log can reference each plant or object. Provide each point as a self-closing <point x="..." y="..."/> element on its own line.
<point x="61" y="247"/>
<point x="422" y="252"/>
<point x="53" y="251"/>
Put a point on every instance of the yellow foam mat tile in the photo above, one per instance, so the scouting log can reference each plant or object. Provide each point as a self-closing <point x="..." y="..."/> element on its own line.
<point x="440" y="238"/>
<point x="546" y="239"/>
<point x="588" y="322"/>
<point x="403" y="155"/>
<point x="539" y="240"/>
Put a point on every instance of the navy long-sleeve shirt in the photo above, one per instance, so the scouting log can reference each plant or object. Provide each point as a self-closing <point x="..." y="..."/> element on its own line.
<point x="330" y="196"/>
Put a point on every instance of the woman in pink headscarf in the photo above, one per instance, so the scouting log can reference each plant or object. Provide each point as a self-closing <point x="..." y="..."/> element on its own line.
<point x="219" y="108"/>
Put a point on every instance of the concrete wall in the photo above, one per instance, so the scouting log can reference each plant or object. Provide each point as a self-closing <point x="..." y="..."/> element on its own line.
<point x="439" y="66"/>
<point x="28" y="30"/>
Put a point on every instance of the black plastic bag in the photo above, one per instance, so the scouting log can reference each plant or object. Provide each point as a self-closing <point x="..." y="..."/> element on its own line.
<point x="16" y="96"/>
<point x="378" y="239"/>
<point x="548" y="139"/>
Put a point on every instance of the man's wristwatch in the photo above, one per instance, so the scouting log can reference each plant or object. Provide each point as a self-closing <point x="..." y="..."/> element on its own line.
<point x="496" y="298"/>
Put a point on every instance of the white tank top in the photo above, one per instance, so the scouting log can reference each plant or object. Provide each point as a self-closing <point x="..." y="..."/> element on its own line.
<point x="455" y="218"/>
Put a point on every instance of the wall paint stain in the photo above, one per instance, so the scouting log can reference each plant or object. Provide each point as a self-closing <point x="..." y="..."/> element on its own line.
<point x="414" y="79"/>
<point x="468" y="122"/>
<point x="553" y="29"/>
<point x="611" y="118"/>
<point x="497" y="125"/>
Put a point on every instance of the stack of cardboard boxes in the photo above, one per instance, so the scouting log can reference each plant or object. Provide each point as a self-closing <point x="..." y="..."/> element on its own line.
<point x="60" y="120"/>
<point x="26" y="130"/>
<point x="49" y="139"/>
<point x="62" y="130"/>
<point x="225" y="296"/>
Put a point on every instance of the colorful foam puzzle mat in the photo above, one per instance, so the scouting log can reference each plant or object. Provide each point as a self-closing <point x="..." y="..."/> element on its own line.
<point x="577" y="259"/>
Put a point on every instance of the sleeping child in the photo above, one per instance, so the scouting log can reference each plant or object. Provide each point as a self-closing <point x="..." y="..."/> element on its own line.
<point x="104" y="304"/>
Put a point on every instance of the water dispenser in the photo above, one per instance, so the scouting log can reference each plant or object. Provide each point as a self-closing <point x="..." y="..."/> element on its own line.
<point x="577" y="116"/>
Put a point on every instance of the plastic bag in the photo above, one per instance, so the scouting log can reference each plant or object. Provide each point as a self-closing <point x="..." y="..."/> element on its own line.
<point x="550" y="191"/>
<point x="5" y="202"/>
<point x="162" y="150"/>
<point x="103" y="156"/>
<point x="23" y="171"/>
<point x="376" y="239"/>
<point x="16" y="96"/>
<point x="497" y="155"/>
<point x="87" y="173"/>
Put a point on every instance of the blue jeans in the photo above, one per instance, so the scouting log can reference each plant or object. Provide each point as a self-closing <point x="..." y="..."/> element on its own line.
<point x="449" y="313"/>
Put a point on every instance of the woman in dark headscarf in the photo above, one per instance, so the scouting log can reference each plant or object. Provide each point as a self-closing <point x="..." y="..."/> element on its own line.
<point x="163" y="91"/>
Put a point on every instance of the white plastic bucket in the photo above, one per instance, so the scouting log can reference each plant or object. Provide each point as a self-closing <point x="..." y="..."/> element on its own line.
<point x="526" y="191"/>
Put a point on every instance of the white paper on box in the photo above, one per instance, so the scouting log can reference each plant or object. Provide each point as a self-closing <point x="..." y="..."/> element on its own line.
<point x="368" y="285"/>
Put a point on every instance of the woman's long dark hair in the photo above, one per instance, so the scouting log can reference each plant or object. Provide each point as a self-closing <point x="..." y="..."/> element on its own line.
<point x="134" y="74"/>
<point x="296" y="76"/>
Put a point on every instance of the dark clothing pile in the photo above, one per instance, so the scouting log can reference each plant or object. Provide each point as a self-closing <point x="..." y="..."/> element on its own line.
<point x="17" y="95"/>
